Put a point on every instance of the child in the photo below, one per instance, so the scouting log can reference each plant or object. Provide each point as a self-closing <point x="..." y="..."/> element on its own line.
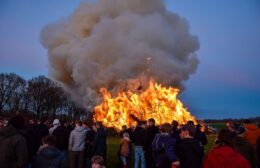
<point x="97" y="162"/>
<point x="124" y="149"/>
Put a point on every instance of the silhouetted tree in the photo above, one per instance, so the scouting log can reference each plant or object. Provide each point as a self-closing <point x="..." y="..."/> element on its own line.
<point x="12" y="90"/>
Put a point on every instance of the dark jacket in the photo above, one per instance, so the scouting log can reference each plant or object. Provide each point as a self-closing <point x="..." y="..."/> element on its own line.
<point x="246" y="149"/>
<point x="139" y="136"/>
<point x="50" y="157"/>
<point x="100" y="143"/>
<point x="163" y="147"/>
<point x="190" y="153"/>
<point x="31" y="136"/>
<point x="61" y="134"/>
<point x="89" y="143"/>
<point x="43" y="131"/>
<point x="13" y="148"/>
<point x="149" y="135"/>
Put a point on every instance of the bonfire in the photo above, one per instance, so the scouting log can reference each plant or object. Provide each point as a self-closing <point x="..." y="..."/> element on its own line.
<point x="157" y="101"/>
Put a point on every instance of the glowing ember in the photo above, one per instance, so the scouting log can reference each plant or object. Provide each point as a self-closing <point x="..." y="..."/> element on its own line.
<point x="156" y="102"/>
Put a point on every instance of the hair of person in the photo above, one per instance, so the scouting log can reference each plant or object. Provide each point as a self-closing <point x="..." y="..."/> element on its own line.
<point x="152" y="121"/>
<point x="78" y="122"/>
<point x="50" y="140"/>
<point x="17" y="121"/>
<point x="190" y="122"/>
<point x="98" y="160"/>
<point x="166" y="128"/>
<point x="190" y="128"/>
<point x="175" y="124"/>
<point x="224" y="138"/>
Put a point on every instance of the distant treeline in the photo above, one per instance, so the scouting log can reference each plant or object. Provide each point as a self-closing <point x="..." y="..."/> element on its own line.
<point x="37" y="97"/>
<point x="240" y="120"/>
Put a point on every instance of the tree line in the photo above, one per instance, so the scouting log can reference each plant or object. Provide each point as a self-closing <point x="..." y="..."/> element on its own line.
<point x="37" y="97"/>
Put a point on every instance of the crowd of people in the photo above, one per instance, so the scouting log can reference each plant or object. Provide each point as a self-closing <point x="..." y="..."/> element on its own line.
<point x="58" y="144"/>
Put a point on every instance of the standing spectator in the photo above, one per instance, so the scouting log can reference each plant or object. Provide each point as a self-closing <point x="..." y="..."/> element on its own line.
<point x="61" y="135"/>
<point x="139" y="140"/>
<point x="77" y="145"/>
<point x="231" y="128"/>
<point x="189" y="150"/>
<point x="124" y="149"/>
<point x="175" y="132"/>
<point x="224" y="155"/>
<point x="244" y="147"/>
<point x="151" y="131"/>
<point x="89" y="143"/>
<point x="252" y="132"/>
<point x="49" y="156"/>
<point x="55" y="124"/>
<point x="100" y="141"/>
<point x="13" y="146"/>
<point x="163" y="147"/>
<point x="42" y="130"/>
<point x="201" y="136"/>
<point x="31" y="136"/>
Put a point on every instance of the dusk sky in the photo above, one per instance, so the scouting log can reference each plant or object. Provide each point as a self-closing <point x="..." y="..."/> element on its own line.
<point x="226" y="83"/>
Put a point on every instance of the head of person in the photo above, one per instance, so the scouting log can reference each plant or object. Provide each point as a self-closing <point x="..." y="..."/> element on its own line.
<point x="97" y="162"/>
<point x="187" y="131"/>
<point x="17" y="121"/>
<point x="175" y="124"/>
<point x="224" y="139"/>
<point x="78" y="123"/>
<point x="48" y="141"/>
<point x="56" y="122"/>
<point x="99" y="124"/>
<point x="142" y="124"/>
<point x="151" y="122"/>
<point x="165" y="128"/>
<point x="124" y="127"/>
<point x="190" y="122"/>
<point x="230" y="125"/>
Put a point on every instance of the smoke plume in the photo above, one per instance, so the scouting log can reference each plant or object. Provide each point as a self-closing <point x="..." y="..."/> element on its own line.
<point x="119" y="44"/>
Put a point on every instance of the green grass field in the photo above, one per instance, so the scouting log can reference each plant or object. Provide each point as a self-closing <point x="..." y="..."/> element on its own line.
<point x="113" y="146"/>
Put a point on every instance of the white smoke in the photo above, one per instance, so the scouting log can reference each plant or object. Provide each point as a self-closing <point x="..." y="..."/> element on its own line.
<point x="111" y="43"/>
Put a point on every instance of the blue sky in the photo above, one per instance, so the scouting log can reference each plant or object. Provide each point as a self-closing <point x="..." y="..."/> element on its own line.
<point x="227" y="81"/>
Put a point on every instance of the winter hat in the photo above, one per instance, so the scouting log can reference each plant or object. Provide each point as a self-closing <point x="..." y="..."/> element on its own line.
<point x="56" y="122"/>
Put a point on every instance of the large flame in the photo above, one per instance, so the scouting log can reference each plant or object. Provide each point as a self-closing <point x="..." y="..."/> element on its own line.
<point x="156" y="102"/>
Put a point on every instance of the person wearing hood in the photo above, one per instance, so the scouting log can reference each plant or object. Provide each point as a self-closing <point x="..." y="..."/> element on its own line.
<point x="100" y="141"/>
<point x="244" y="147"/>
<point x="13" y="146"/>
<point x="124" y="149"/>
<point x="49" y="155"/>
<point x="77" y="145"/>
<point x="223" y="154"/>
<point x="61" y="134"/>
<point x="189" y="150"/>
<point x="163" y="147"/>
<point x="55" y="124"/>
<point x="252" y="133"/>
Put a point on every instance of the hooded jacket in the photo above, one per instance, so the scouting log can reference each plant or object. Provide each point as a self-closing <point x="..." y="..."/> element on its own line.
<point x="77" y="139"/>
<point x="252" y="134"/>
<point x="50" y="157"/>
<point x="13" y="148"/>
<point x="100" y="143"/>
<point x="225" y="157"/>
<point x="190" y="153"/>
<point x="61" y="134"/>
